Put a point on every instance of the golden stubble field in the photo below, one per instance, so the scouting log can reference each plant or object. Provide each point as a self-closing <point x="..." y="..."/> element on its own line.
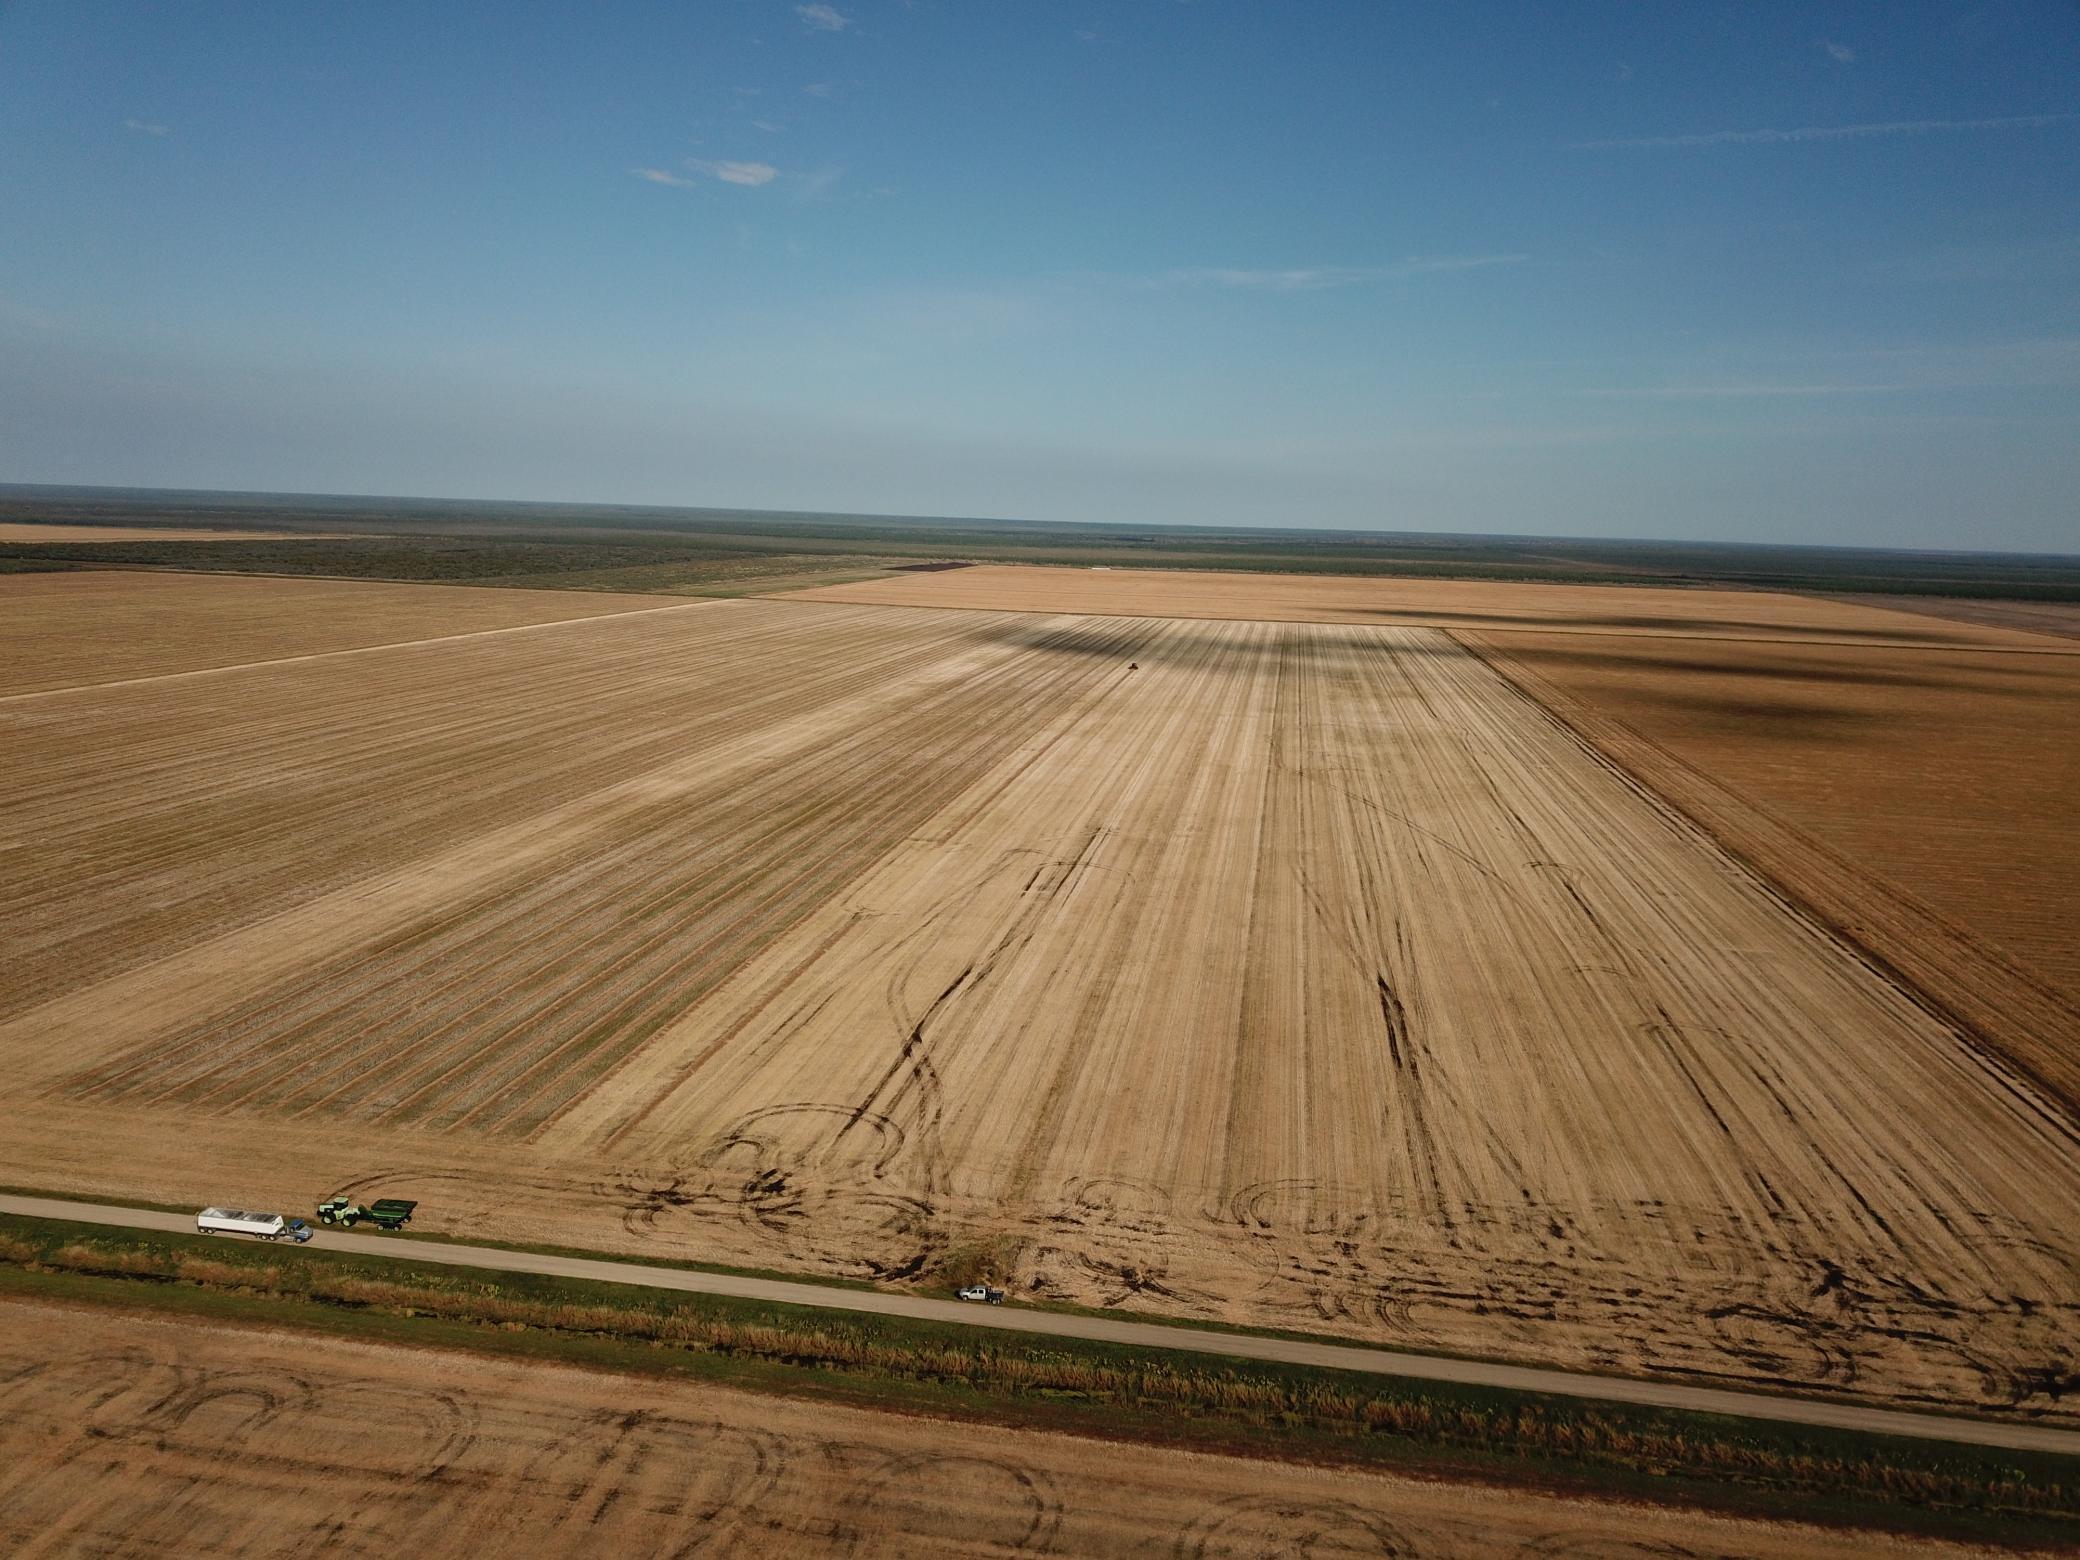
<point x="101" y="625"/>
<point x="1384" y="600"/>
<point x="120" y="1435"/>
<point x="1295" y="974"/>
<point x="1902" y="767"/>
<point x="1922" y="801"/>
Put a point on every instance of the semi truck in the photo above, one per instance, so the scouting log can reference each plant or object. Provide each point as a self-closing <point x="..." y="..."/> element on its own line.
<point x="263" y="1226"/>
<point x="385" y="1213"/>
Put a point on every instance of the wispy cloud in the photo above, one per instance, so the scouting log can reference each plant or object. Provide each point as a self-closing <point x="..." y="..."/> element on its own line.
<point x="1314" y="278"/>
<point x="1822" y="133"/>
<point x="819" y="89"/>
<point x="823" y="18"/>
<point x="146" y="127"/>
<point x="694" y="172"/>
<point x="1731" y="392"/>
<point x="26" y="316"/>
<point x="2026" y="364"/>
<point x="2021" y="260"/>
<point x="1840" y="53"/>
<point x="751" y="174"/>
<point x="816" y="185"/>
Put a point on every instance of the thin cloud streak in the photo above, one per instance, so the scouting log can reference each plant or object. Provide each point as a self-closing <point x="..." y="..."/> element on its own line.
<point x="1820" y="133"/>
<point x="145" y="127"/>
<point x="749" y="174"/>
<point x="823" y="18"/>
<point x="1316" y="278"/>
<point x="1709" y="392"/>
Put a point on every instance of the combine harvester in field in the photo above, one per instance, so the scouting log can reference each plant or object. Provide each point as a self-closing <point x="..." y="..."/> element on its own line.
<point x="262" y="1226"/>
<point x="385" y="1213"/>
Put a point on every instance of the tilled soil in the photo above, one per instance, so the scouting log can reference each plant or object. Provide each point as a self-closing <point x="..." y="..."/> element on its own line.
<point x="1385" y="601"/>
<point x="64" y="630"/>
<point x="124" y="1436"/>
<point x="1290" y="974"/>
<point x="1921" y="801"/>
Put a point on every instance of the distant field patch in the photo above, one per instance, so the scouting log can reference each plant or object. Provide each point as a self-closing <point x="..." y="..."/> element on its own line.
<point x="2034" y="617"/>
<point x="96" y="626"/>
<point x="1923" y="800"/>
<point x="1429" y="603"/>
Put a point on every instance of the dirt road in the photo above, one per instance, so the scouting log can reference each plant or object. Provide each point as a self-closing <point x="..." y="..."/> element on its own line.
<point x="1196" y="1340"/>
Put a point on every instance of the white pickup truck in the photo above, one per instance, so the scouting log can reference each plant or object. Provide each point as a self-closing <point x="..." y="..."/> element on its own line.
<point x="984" y="1293"/>
<point x="265" y="1226"/>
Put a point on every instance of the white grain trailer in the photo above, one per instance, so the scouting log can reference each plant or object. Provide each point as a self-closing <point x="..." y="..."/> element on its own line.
<point x="266" y="1226"/>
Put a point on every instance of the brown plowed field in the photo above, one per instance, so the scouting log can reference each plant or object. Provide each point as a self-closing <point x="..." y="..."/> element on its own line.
<point x="128" y="1436"/>
<point x="104" y="625"/>
<point x="2034" y="617"/>
<point x="1923" y="801"/>
<point x="1292" y="974"/>
<point x="1427" y="603"/>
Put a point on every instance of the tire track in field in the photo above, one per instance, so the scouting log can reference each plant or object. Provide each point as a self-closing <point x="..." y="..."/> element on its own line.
<point x="160" y="678"/>
<point x="149" y="824"/>
<point x="494" y="1015"/>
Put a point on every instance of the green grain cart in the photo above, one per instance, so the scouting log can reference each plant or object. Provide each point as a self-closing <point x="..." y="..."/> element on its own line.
<point x="385" y="1213"/>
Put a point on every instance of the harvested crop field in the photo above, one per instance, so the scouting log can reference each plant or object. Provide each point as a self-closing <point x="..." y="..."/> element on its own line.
<point x="1380" y="601"/>
<point x="1292" y="974"/>
<point x="134" y="1436"/>
<point x="2035" y="617"/>
<point x="1923" y="800"/>
<point x="96" y="626"/>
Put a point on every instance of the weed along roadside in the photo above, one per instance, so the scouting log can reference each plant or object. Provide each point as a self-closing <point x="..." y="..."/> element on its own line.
<point x="1084" y="1386"/>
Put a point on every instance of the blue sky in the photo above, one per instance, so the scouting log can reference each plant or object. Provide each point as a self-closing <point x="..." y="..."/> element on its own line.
<point x="1761" y="272"/>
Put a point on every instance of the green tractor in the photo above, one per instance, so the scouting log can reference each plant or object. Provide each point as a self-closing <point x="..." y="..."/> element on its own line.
<point x="385" y="1213"/>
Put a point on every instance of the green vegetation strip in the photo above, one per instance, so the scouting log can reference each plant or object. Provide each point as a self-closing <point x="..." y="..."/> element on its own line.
<point x="715" y="552"/>
<point x="1079" y="1387"/>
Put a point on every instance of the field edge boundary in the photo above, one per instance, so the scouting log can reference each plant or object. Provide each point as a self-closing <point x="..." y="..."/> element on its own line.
<point x="1941" y="967"/>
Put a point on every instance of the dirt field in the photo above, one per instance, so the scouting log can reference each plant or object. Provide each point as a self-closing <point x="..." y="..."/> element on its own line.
<point x="2036" y="617"/>
<point x="1923" y="799"/>
<point x="137" y="1437"/>
<point x="1380" y="602"/>
<point x="1304" y="975"/>
<point x="104" y="625"/>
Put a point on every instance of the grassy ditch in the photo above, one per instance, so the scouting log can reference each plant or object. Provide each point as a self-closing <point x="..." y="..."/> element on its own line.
<point x="1086" y="1388"/>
